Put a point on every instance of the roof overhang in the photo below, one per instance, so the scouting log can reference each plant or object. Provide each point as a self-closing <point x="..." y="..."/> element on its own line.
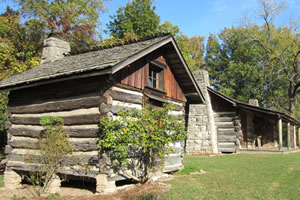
<point x="260" y="110"/>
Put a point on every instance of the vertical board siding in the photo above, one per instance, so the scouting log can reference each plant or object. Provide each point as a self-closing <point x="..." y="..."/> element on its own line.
<point x="136" y="75"/>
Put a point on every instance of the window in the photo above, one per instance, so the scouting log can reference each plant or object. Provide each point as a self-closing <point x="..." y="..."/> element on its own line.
<point x="156" y="75"/>
<point x="153" y="77"/>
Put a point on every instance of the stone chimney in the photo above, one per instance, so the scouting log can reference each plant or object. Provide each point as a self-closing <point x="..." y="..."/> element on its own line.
<point x="202" y="79"/>
<point x="54" y="49"/>
<point x="253" y="102"/>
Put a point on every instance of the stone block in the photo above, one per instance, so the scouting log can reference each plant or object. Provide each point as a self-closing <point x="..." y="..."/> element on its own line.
<point x="12" y="180"/>
<point x="54" y="185"/>
<point x="103" y="185"/>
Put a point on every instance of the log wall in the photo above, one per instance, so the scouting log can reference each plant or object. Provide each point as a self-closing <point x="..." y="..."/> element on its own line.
<point x="80" y="103"/>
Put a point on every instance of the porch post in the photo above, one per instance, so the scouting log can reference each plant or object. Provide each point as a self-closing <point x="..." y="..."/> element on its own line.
<point x="288" y="136"/>
<point x="295" y="139"/>
<point x="280" y="133"/>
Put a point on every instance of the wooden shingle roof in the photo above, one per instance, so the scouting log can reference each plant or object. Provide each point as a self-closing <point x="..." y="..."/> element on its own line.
<point x="89" y="61"/>
<point x="106" y="61"/>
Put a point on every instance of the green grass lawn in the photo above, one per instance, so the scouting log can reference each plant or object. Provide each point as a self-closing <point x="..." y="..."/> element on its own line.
<point x="239" y="176"/>
<point x="1" y="181"/>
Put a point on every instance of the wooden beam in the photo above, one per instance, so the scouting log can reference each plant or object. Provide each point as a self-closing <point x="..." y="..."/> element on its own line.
<point x="60" y="105"/>
<point x="280" y="133"/>
<point x="288" y="136"/>
<point x="82" y="131"/>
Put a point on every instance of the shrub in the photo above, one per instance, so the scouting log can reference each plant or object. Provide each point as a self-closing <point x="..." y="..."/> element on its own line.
<point x="139" y="139"/>
<point x="54" y="147"/>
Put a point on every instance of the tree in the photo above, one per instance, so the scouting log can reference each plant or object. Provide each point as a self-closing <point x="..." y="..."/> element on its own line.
<point x="19" y="51"/>
<point x="71" y="20"/>
<point x="258" y="61"/>
<point x="282" y="48"/>
<point x="233" y="65"/>
<point x="139" y="140"/>
<point x="192" y="49"/>
<point x="138" y="17"/>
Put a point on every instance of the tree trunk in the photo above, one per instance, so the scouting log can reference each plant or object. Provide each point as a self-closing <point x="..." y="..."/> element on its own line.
<point x="292" y="93"/>
<point x="292" y="106"/>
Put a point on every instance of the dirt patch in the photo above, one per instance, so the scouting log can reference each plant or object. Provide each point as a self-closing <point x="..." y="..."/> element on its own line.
<point x="153" y="191"/>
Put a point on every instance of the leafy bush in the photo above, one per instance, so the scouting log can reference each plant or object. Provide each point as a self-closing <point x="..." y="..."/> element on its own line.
<point x="139" y="140"/>
<point x="54" y="147"/>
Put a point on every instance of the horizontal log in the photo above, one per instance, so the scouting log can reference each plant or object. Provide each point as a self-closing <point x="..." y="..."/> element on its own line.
<point x="80" y="144"/>
<point x="73" y="170"/>
<point x="59" y="105"/>
<point x="76" y="158"/>
<point x="122" y="95"/>
<point x="72" y="120"/>
<point x="74" y="117"/>
<point x="23" y="142"/>
<point x="85" y="144"/>
<point x="81" y="131"/>
<point x="66" y="89"/>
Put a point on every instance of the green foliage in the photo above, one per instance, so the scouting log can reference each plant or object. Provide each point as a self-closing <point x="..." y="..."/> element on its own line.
<point x="55" y="148"/>
<point x="258" y="61"/>
<point x="138" y="17"/>
<point x="139" y="139"/>
<point x="233" y="65"/>
<point x="192" y="50"/>
<point x="18" y="47"/>
<point x="72" y="20"/>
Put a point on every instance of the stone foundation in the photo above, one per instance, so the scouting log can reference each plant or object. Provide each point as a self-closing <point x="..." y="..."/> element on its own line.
<point x="202" y="136"/>
<point x="198" y="139"/>
<point x="54" y="185"/>
<point x="104" y="185"/>
<point x="12" y="180"/>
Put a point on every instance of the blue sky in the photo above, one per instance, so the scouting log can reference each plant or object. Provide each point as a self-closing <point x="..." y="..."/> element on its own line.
<point x="201" y="17"/>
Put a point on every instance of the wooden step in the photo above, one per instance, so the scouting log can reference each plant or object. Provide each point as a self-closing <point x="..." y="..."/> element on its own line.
<point x="225" y="126"/>
<point x="224" y="114"/>
<point x="224" y="119"/>
<point x="226" y="131"/>
<point x="227" y="150"/>
<point x="227" y="147"/>
<point x="226" y="138"/>
<point x="220" y="123"/>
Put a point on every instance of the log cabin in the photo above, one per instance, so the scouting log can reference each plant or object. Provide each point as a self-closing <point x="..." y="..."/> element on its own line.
<point x="80" y="88"/>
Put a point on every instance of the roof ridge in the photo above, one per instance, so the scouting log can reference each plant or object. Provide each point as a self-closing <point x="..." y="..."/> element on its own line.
<point x="118" y="43"/>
